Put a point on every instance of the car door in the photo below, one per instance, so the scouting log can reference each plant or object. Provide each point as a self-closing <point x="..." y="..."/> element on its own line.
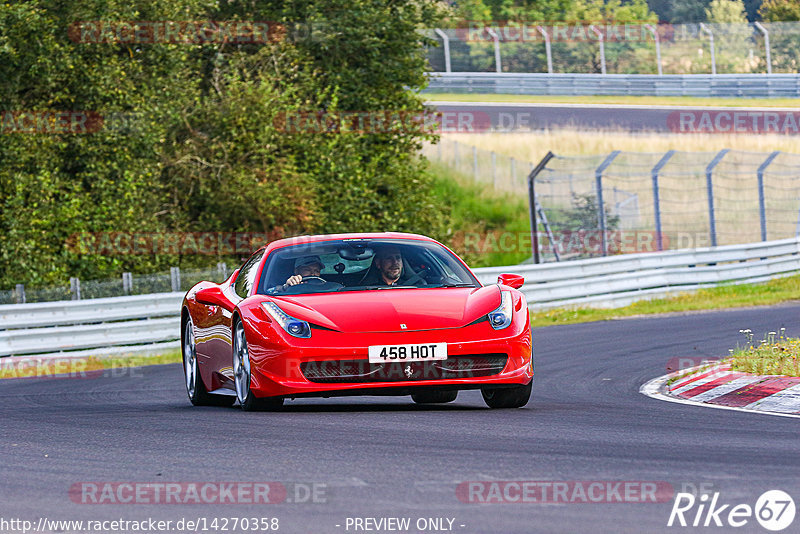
<point x="218" y="347"/>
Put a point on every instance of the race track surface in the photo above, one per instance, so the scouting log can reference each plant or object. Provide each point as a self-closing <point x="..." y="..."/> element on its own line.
<point x="511" y="117"/>
<point x="385" y="457"/>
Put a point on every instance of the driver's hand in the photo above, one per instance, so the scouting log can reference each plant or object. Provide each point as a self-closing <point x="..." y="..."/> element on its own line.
<point x="294" y="280"/>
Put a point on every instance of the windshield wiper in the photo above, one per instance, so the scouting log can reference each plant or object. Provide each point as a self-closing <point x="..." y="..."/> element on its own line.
<point x="463" y="284"/>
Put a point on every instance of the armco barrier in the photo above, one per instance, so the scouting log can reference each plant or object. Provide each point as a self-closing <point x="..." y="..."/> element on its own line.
<point x="619" y="280"/>
<point x="139" y="322"/>
<point x="697" y="85"/>
<point x="51" y="327"/>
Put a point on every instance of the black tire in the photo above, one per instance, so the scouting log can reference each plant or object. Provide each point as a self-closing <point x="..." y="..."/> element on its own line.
<point x="514" y="397"/>
<point x="195" y="389"/>
<point x="434" y="397"/>
<point x="241" y="368"/>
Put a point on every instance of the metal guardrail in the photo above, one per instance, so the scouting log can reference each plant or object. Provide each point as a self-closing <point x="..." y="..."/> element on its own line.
<point x="139" y="322"/>
<point x="619" y="280"/>
<point x="698" y="85"/>
<point x="54" y="327"/>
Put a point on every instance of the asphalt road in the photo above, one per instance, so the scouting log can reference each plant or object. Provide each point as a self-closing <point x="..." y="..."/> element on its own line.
<point x="385" y="457"/>
<point x="478" y="117"/>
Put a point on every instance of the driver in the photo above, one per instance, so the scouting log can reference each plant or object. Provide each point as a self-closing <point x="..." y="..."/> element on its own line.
<point x="303" y="267"/>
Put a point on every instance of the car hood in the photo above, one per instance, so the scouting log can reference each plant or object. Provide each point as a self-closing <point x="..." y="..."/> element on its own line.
<point x="385" y="310"/>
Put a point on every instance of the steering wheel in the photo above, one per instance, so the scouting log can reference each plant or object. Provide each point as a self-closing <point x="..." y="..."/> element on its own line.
<point x="414" y="279"/>
<point x="314" y="280"/>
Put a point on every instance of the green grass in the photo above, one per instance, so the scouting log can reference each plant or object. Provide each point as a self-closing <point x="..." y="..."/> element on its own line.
<point x="726" y="296"/>
<point x="627" y="100"/>
<point x="485" y="228"/>
<point x="79" y="365"/>
<point x="772" y="356"/>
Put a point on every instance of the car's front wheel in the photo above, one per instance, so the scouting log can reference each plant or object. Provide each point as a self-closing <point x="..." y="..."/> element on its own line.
<point x="513" y="397"/>
<point x="434" y="397"/>
<point x="198" y="395"/>
<point x="242" y="375"/>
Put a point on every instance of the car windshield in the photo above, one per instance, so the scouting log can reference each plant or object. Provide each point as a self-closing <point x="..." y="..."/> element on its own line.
<point x="362" y="265"/>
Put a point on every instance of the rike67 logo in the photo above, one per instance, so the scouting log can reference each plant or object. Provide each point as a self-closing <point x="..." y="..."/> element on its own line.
<point x="774" y="510"/>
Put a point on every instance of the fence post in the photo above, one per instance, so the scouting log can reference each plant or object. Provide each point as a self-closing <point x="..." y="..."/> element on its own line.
<point x="547" y="49"/>
<point x="711" y="45"/>
<point x="762" y="211"/>
<point x="766" y="45"/>
<point x="20" y="293"/>
<point x="513" y="172"/>
<point x="601" y="212"/>
<point x="475" y="163"/>
<point x="532" y="204"/>
<point x="494" y="170"/>
<point x="654" y="31"/>
<point x="712" y="222"/>
<point x="496" y="39"/>
<point x="127" y="283"/>
<point x="75" y="288"/>
<point x="175" y="278"/>
<point x="656" y="199"/>
<point x="222" y="268"/>
<point x="446" y="43"/>
<point x="455" y="155"/>
<point x="601" y="40"/>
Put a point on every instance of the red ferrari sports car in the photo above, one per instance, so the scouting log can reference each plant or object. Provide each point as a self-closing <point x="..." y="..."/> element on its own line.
<point x="356" y="314"/>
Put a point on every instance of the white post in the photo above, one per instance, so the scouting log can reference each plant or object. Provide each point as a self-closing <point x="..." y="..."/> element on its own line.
<point x="654" y="31"/>
<point x="600" y="38"/>
<point x="175" y="278"/>
<point x="547" y="49"/>
<point x="711" y="44"/>
<point x="446" y="42"/>
<point x="496" y="39"/>
<point x="766" y="45"/>
<point x="494" y="170"/>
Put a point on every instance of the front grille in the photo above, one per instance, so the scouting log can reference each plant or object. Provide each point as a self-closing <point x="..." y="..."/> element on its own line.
<point x="361" y="371"/>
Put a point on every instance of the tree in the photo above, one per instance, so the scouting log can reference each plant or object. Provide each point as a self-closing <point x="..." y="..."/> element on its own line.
<point x="780" y="10"/>
<point x="726" y="11"/>
<point x="688" y="11"/>
<point x="206" y="149"/>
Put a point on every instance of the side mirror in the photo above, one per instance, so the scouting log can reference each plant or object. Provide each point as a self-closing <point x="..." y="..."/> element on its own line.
<point x="213" y="296"/>
<point x="511" y="280"/>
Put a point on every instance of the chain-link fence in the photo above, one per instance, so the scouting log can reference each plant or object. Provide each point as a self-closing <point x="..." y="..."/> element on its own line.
<point x="772" y="47"/>
<point x="650" y="201"/>
<point x="496" y="170"/>
<point x="129" y="284"/>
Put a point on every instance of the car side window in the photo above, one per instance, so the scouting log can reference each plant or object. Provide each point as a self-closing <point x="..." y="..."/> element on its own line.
<point x="247" y="274"/>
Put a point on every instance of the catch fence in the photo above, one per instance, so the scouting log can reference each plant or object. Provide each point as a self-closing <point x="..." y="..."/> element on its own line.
<point x="625" y="202"/>
<point x="176" y="280"/>
<point x="530" y="47"/>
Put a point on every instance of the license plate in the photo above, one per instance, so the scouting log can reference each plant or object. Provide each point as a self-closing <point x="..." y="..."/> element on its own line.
<point x="407" y="353"/>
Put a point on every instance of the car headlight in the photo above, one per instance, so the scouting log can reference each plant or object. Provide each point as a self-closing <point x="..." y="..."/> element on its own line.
<point x="293" y="327"/>
<point x="501" y="317"/>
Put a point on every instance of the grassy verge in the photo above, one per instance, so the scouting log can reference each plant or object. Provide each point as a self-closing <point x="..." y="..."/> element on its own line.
<point x="726" y="296"/>
<point x="532" y="146"/>
<point x="83" y="366"/>
<point x="772" y="356"/>
<point x="624" y="100"/>
<point x="477" y="216"/>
